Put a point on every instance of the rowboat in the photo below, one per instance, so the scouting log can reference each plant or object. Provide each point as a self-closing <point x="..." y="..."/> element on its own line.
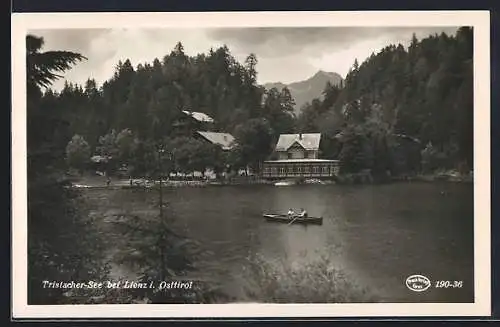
<point x="280" y="218"/>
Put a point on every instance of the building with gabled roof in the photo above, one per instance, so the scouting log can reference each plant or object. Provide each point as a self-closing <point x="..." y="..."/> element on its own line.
<point x="199" y="116"/>
<point x="297" y="146"/>
<point x="298" y="157"/>
<point x="189" y="121"/>
<point x="224" y="140"/>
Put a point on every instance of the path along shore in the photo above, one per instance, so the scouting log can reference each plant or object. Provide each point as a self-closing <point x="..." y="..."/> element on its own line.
<point x="100" y="182"/>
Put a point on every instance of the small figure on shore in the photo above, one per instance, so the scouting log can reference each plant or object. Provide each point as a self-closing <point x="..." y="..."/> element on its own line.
<point x="108" y="181"/>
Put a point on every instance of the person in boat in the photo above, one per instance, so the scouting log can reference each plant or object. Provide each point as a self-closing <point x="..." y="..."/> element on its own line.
<point x="290" y="213"/>
<point x="303" y="213"/>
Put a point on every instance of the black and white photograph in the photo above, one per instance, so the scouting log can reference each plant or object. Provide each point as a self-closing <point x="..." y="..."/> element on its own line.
<point x="310" y="162"/>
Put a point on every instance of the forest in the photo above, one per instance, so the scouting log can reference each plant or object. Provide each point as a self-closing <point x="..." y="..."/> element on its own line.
<point x="398" y="99"/>
<point x="400" y="111"/>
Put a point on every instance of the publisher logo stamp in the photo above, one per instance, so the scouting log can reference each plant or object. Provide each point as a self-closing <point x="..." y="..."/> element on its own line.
<point x="418" y="283"/>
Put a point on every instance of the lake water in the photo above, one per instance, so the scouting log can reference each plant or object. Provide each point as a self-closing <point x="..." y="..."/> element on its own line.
<point x="377" y="234"/>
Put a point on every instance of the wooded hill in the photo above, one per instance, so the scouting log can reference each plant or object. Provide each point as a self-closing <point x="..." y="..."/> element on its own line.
<point x="423" y="93"/>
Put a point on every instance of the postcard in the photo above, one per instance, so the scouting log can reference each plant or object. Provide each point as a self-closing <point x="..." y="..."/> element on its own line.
<point x="251" y="164"/>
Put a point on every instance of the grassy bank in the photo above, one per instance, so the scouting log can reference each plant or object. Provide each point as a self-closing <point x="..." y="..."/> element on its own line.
<point x="319" y="281"/>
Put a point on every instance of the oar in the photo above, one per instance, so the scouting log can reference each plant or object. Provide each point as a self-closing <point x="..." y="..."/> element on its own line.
<point x="293" y="220"/>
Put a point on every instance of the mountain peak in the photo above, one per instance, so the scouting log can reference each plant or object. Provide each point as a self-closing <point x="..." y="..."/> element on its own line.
<point x="309" y="89"/>
<point x="321" y="73"/>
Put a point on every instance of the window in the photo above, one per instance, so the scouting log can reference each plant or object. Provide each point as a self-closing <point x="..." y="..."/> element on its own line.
<point x="299" y="169"/>
<point x="297" y="154"/>
<point x="306" y="169"/>
<point x="282" y="171"/>
<point x="332" y="170"/>
<point x="290" y="169"/>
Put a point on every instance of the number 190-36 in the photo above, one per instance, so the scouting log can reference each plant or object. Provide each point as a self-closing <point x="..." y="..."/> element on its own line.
<point x="448" y="284"/>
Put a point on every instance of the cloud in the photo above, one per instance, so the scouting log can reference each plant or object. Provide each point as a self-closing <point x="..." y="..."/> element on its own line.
<point x="284" y="69"/>
<point x="104" y="48"/>
<point x="88" y="42"/>
<point x="71" y="39"/>
<point x="283" y="41"/>
<point x="284" y="54"/>
<point x="342" y="59"/>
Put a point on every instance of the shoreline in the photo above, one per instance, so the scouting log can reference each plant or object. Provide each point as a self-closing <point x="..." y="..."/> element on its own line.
<point x="91" y="182"/>
<point x="430" y="178"/>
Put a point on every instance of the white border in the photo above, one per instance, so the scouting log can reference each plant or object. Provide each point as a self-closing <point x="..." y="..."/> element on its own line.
<point x="21" y="23"/>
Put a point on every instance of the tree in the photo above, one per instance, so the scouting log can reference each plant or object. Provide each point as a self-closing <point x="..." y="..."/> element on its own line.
<point x="42" y="68"/>
<point x="47" y="130"/>
<point x="78" y="152"/>
<point x="254" y="141"/>
<point x="250" y="64"/>
<point x="286" y="100"/>
<point x="278" y="110"/>
<point x="62" y="243"/>
<point x="331" y="93"/>
<point x="192" y="155"/>
<point x="182" y="152"/>
<point x="108" y="149"/>
<point x="144" y="161"/>
<point x="353" y="155"/>
<point x="164" y="255"/>
<point x="126" y="145"/>
<point x="309" y="117"/>
<point x="329" y="125"/>
<point x="355" y="66"/>
<point x="221" y="161"/>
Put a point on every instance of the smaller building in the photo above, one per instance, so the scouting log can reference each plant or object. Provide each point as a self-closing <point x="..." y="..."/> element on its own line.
<point x="189" y="121"/>
<point x="199" y="116"/>
<point x="100" y="163"/>
<point x="298" y="157"/>
<point x="224" y="140"/>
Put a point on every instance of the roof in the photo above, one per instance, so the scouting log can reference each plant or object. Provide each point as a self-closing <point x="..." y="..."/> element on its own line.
<point x="305" y="160"/>
<point x="199" y="116"/>
<point x="309" y="141"/>
<point x="225" y="140"/>
<point x="98" y="158"/>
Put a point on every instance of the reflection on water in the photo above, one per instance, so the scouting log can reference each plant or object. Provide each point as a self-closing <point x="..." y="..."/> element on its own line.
<point x="378" y="234"/>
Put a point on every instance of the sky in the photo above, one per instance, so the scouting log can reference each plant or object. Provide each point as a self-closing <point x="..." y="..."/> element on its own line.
<point x="284" y="54"/>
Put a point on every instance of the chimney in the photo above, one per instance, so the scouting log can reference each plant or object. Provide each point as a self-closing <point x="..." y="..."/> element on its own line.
<point x="300" y="136"/>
